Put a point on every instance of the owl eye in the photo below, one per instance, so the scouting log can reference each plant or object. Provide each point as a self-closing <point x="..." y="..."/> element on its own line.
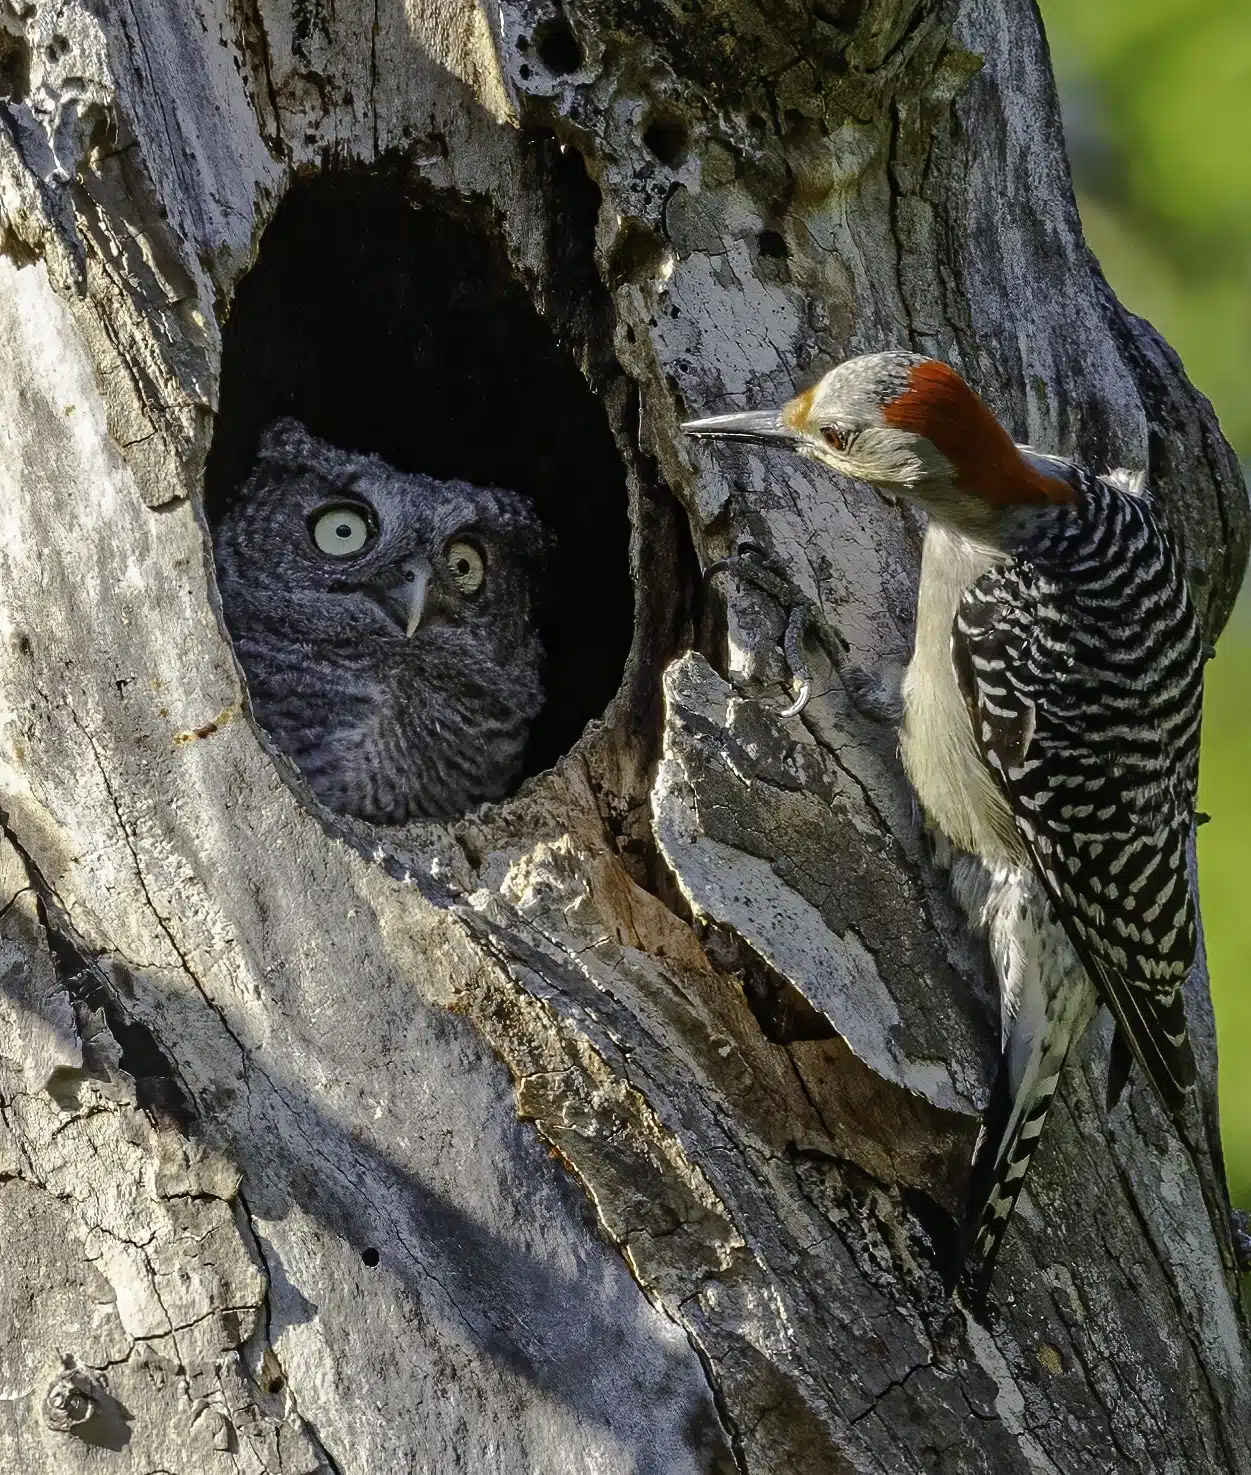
<point x="466" y="565"/>
<point x="340" y="531"/>
<point x="832" y="438"/>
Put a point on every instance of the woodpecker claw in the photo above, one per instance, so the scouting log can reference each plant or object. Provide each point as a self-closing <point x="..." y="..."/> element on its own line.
<point x="800" y="702"/>
<point x="801" y="677"/>
<point x="754" y="565"/>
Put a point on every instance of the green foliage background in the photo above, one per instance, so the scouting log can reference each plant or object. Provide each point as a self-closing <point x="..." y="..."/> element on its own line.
<point x="1157" y="110"/>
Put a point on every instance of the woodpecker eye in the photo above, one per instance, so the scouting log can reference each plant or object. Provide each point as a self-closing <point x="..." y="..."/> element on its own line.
<point x="343" y="530"/>
<point x="466" y="565"/>
<point x="831" y="437"/>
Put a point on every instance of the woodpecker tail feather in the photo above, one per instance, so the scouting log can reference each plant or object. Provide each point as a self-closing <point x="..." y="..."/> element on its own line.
<point x="1011" y="1131"/>
<point x="1120" y="1063"/>
<point x="1047" y="1000"/>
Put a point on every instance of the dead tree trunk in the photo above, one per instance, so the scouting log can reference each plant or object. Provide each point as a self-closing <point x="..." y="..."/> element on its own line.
<point x="615" y="1128"/>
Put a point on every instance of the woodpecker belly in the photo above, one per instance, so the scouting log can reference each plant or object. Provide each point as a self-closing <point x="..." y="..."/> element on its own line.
<point x="952" y="782"/>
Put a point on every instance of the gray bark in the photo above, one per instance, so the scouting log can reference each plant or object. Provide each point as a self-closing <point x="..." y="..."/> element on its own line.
<point x="613" y="1128"/>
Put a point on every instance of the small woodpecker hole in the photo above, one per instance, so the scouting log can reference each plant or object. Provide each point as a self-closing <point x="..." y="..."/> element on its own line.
<point x="667" y="140"/>
<point x="775" y="264"/>
<point x="370" y="1257"/>
<point x="635" y="255"/>
<point x="558" y="48"/>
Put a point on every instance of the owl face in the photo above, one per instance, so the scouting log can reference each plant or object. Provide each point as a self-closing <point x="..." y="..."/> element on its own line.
<point x="383" y="622"/>
<point x="369" y="556"/>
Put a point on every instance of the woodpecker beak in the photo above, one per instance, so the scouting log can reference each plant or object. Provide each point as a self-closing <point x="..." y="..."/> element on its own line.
<point x="759" y="427"/>
<point x="403" y="593"/>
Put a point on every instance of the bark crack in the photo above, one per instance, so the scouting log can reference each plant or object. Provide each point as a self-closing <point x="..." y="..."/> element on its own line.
<point x="1182" y="1317"/>
<point x="267" y="1328"/>
<point x="894" y="1384"/>
<point x="895" y="192"/>
<point x="373" y="74"/>
<point x="717" y="1393"/>
<point x="161" y="921"/>
<point x="266" y="60"/>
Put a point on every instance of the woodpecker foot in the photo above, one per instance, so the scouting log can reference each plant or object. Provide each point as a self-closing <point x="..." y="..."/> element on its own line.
<point x="755" y="566"/>
<point x="1240" y="1230"/>
<point x="876" y="695"/>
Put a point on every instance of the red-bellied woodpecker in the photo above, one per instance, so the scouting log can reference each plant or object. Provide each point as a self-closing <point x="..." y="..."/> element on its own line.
<point x="1050" y="729"/>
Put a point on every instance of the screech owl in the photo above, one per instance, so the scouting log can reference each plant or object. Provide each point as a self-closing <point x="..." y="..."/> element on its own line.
<point x="384" y="624"/>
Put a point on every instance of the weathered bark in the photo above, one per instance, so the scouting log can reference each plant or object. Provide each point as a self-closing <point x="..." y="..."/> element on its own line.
<point x="617" y="1127"/>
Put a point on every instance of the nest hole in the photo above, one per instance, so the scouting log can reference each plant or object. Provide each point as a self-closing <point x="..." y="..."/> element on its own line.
<point x="390" y="322"/>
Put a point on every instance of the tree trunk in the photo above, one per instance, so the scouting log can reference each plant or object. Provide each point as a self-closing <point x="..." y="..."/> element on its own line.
<point x="617" y="1127"/>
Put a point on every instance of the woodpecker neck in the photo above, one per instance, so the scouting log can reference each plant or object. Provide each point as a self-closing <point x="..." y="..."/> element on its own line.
<point x="1019" y="520"/>
<point x="996" y="508"/>
<point x="965" y="516"/>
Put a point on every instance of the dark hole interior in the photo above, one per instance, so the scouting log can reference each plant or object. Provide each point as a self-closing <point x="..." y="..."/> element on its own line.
<point x="14" y="67"/>
<point x="665" y="139"/>
<point x="558" y="48"/>
<point x="393" y="325"/>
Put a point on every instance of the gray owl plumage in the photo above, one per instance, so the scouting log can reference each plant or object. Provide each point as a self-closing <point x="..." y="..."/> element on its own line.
<point x="383" y="621"/>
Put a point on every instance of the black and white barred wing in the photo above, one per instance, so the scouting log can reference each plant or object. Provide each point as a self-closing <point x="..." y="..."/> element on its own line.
<point x="1085" y="702"/>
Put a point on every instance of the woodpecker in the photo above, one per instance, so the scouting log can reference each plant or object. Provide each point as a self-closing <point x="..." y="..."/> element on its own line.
<point x="1050" y="729"/>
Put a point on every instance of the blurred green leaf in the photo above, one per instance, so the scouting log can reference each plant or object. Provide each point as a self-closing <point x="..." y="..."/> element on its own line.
<point x="1206" y="318"/>
<point x="1157" y="99"/>
<point x="1224" y="868"/>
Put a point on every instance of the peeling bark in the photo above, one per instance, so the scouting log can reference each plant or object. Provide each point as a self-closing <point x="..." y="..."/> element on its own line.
<point x="619" y="1126"/>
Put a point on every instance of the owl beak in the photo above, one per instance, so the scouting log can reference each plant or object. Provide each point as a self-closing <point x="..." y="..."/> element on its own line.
<point x="412" y="592"/>
<point x="759" y="427"/>
<point x="402" y="591"/>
